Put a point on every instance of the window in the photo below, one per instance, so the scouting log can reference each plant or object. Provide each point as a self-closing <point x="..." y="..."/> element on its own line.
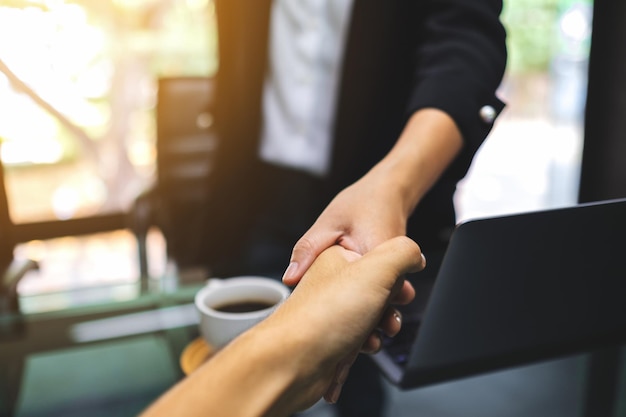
<point x="77" y="94"/>
<point x="531" y="160"/>
<point x="78" y="85"/>
<point x="77" y="90"/>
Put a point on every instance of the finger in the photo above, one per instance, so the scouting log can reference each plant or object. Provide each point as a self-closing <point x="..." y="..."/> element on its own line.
<point x="391" y="322"/>
<point x="306" y="249"/>
<point x="392" y="259"/>
<point x="405" y="295"/>
<point x="341" y="375"/>
<point x="372" y="344"/>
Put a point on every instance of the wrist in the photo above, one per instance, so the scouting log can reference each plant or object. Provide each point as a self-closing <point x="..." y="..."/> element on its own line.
<point x="288" y="365"/>
<point x="427" y="146"/>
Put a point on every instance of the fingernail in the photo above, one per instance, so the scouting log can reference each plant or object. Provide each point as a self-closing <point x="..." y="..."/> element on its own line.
<point x="343" y="374"/>
<point x="333" y="397"/>
<point x="397" y="317"/>
<point x="423" y="260"/>
<point x="290" y="271"/>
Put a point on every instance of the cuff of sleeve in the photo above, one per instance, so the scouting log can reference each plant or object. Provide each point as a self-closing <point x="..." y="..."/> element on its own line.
<point x="473" y="107"/>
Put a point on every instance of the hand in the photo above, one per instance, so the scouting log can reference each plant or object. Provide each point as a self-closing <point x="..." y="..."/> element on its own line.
<point x="357" y="222"/>
<point x="339" y="302"/>
<point x="304" y="350"/>
<point x="376" y="207"/>
<point x="359" y="218"/>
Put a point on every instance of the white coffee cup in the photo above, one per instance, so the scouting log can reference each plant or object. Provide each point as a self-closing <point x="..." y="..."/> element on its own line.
<point x="230" y="306"/>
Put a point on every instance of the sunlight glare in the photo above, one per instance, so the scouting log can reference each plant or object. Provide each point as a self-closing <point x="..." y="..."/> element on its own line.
<point x="65" y="202"/>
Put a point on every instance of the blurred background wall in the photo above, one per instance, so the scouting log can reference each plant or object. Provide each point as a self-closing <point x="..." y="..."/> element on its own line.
<point x="77" y="94"/>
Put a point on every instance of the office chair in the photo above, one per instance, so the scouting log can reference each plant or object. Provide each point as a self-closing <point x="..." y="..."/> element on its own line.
<point x="185" y="143"/>
<point x="11" y="270"/>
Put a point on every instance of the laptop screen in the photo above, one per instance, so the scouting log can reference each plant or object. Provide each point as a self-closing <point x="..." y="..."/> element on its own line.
<point x="516" y="289"/>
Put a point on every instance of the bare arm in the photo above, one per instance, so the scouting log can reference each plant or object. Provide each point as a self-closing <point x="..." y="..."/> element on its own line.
<point x="377" y="207"/>
<point x="304" y="350"/>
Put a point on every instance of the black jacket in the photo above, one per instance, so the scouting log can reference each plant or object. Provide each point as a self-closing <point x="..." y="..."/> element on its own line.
<point x="400" y="56"/>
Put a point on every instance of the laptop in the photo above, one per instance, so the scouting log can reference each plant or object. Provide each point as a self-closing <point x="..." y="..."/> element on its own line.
<point x="513" y="290"/>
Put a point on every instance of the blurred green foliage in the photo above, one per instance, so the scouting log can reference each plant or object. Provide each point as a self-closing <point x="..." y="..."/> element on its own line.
<point x="533" y="32"/>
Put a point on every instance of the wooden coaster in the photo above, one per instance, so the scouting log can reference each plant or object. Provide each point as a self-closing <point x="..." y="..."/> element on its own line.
<point x="194" y="355"/>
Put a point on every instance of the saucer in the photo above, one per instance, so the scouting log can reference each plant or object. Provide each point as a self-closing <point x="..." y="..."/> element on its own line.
<point x="195" y="354"/>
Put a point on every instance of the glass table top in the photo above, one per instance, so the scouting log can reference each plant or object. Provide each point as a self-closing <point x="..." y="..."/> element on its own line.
<point x="108" y="358"/>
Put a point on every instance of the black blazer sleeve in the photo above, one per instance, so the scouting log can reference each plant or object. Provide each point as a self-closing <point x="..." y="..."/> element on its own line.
<point x="461" y="60"/>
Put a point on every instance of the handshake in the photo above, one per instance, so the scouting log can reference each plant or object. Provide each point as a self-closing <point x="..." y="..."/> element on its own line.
<point x="304" y="349"/>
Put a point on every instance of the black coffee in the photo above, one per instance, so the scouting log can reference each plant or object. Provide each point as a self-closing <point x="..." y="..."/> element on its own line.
<point x="243" y="306"/>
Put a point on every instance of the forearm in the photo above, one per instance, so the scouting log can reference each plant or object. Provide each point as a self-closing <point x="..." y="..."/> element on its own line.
<point x="291" y="359"/>
<point x="461" y="63"/>
<point x="427" y="146"/>
<point x="246" y="378"/>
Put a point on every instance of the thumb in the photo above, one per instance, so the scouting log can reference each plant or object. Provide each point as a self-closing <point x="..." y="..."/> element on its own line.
<point x="304" y="253"/>
<point x="392" y="259"/>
